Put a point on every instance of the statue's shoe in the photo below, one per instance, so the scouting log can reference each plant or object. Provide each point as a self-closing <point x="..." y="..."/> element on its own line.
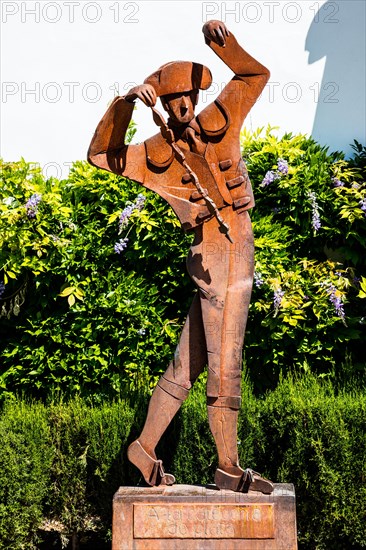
<point x="248" y="480"/>
<point x="151" y="469"/>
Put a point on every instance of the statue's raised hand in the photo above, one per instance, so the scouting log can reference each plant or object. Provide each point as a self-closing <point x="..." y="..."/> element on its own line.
<point x="145" y="92"/>
<point x="215" y="31"/>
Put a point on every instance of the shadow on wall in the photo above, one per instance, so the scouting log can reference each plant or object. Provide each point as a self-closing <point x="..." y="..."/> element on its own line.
<point x="338" y="32"/>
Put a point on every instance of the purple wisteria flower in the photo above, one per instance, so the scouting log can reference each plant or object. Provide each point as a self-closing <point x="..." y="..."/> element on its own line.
<point x="273" y="175"/>
<point x="126" y="213"/>
<point x="282" y="166"/>
<point x="32" y="205"/>
<point x="331" y="290"/>
<point x="270" y="177"/>
<point x="124" y="217"/>
<point x="277" y="297"/>
<point x="2" y="289"/>
<point x="258" y="281"/>
<point x="337" y="182"/>
<point x="362" y="204"/>
<point x="124" y="221"/>
<point x="120" y="245"/>
<point x="316" y="223"/>
<point x="140" y="201"/>
<point x="338" y="305"/>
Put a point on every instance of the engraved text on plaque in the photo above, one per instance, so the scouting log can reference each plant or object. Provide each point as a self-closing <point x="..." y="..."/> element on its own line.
<point x="211" y="521"/>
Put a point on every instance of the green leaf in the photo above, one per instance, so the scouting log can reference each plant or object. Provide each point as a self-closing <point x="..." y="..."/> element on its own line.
<point x="67" y="291"/>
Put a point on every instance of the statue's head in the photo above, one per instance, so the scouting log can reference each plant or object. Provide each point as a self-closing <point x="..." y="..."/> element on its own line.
<point x="178" y="84"/>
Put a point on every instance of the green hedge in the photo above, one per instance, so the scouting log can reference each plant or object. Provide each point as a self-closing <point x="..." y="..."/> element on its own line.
<point x="76" y="317"/>
<point x="61" y="464"/>
<point x="26" y="456"/>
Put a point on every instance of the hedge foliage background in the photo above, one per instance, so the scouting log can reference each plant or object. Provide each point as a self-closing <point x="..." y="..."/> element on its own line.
<point x="61" y="464"/>
<point x="85" y="311"/>
<point x="93" y="294"/>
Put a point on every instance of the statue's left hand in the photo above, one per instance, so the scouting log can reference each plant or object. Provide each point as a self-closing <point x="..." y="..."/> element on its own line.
<point x="215" y="31"/>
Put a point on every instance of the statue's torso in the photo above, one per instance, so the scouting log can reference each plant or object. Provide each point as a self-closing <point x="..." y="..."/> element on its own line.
<point x="220" y="169"/>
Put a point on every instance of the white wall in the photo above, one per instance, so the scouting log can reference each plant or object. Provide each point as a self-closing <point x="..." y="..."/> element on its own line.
<point x="62" y="61"/>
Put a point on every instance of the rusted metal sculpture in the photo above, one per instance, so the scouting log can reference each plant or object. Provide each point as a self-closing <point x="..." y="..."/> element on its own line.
<point x="195" y="164"/>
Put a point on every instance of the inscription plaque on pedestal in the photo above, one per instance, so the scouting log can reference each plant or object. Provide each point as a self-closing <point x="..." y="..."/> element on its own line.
<point x="213" y="521"/>
<point x="203" y="518"/>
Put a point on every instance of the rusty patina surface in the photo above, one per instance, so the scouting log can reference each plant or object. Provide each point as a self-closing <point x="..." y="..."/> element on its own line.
<point x="195" y="164"/>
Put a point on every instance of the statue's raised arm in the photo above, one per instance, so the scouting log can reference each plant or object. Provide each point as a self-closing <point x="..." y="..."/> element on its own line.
<point x="240" y="94"/>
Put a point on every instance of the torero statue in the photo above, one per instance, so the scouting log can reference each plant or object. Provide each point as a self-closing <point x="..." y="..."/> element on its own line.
<point x="195" y="164"/>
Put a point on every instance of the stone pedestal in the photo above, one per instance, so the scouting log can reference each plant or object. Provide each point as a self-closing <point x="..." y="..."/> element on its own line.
<point x="203" y="518"/>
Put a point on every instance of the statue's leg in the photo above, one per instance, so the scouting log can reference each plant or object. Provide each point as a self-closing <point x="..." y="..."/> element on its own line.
<point x="225" y="326"/>
<point x="172" y="389"/>
<point x="225" y="282"/>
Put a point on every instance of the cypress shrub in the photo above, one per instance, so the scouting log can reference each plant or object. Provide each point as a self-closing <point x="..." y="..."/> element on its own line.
<point x="304" y="433"/>
<point x="90" y="462"/>
<point x="25" y="460"/>
<point x="62" y="463"/>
